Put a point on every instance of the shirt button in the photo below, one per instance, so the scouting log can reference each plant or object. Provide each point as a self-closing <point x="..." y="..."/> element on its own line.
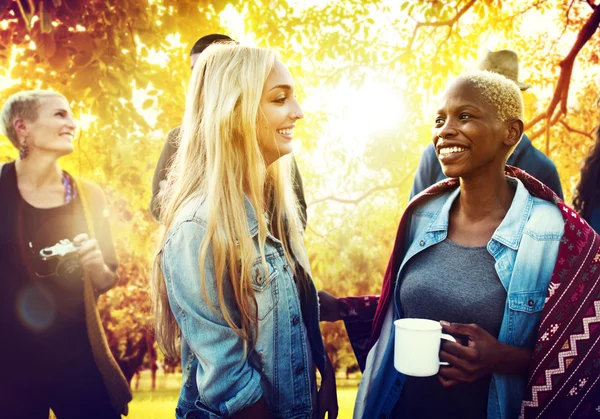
<point x="296" y="320"/>
<point x="398" y="383"/>
<point x="530" y="303"/>
<point x="422" y="242"/>
<point x="299" y="370"/>
<point x="285" y="268"/>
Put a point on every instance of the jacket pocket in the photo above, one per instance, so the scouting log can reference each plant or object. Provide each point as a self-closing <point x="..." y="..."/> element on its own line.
<point x="525" y="316"/>
<point x="528" y="302"/>
<point x="265" y="287"/>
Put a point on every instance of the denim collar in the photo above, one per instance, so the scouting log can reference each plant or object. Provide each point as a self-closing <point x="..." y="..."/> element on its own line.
<point x="251" y="216"/>
<point x="510" y="230"/>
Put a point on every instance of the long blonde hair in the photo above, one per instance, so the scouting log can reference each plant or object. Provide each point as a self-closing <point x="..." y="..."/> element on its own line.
<point x="219" y="159"/>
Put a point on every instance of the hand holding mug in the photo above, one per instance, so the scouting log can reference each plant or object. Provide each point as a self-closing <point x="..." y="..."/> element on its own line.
<point x="477" y="359"/>
<point x="417" y="346"/>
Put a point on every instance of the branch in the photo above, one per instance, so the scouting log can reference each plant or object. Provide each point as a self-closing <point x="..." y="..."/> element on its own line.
<point x="592" y="5"/>
<point x="525" y="10"/>
<point x="543" y="129"/>
<point x="360" y="198"/>
<point x="561" y="93"/>
<point x="449" y="22"/>
<point x="574" y="130"/>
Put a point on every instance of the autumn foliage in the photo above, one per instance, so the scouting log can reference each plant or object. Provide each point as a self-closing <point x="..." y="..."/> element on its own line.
<point x="367" y="72"/>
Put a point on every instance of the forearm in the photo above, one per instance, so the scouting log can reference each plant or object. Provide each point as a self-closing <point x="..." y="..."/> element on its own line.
<point x="513" y="359"/>
<point x="105" y="280"/>
<point x="257" y="410"/>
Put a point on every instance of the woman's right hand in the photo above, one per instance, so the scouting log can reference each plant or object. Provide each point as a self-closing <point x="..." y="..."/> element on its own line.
<point x="329" y="307"/>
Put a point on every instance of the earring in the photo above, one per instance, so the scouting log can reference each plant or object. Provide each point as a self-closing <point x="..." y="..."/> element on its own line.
<point x="23" y="149"/>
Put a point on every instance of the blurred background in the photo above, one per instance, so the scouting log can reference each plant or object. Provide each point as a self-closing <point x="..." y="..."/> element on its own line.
<point x="368" y="73"/>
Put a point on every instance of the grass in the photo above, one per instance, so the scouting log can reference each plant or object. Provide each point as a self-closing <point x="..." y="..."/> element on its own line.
<point x="161" y="403"/>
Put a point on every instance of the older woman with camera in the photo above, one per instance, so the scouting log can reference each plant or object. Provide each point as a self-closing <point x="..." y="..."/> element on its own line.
<point x="56" y="256"/>
<point x="495" y="258"/>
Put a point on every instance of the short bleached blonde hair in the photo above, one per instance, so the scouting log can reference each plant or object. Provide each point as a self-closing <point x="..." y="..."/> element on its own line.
<point x="498" y="91"/>
<point x="24" y="104"/>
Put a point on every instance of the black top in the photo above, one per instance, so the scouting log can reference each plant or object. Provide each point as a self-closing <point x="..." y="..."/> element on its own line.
<point x="42" y="314"/>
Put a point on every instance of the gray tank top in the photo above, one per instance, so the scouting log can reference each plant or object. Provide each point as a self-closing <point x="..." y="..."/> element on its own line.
<point x="458" y="284"/>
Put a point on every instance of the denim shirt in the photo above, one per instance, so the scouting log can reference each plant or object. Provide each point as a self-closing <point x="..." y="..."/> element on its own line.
<point x="218" y="379"/>
<point x="525" y="248"/>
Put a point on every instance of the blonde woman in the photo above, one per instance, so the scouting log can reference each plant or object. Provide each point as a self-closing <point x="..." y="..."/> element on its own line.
<point x="52" y="268"/>
<point x="231" y="285"/>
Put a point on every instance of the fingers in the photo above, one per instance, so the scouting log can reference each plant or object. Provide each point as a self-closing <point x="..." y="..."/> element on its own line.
<point x="90" y="254"/>
<point x="447" y="382"/>
<point x="456" y="361"/>
<point x="453" y="376"/>
<point x="469" y="330"/>
<point x="464" y="352"/>
<point x="92" y="258"/>
<point x="87" y="246"/>
<point x="80" y="238"/>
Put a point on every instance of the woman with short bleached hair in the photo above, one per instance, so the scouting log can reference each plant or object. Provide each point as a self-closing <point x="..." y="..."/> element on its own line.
<point x="504" y="266"/>
<point x="56" y="256"/>
<point x="232" y="285"/>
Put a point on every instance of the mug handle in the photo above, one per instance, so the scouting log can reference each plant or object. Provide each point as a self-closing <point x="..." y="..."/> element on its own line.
<point x="451" y="339"/>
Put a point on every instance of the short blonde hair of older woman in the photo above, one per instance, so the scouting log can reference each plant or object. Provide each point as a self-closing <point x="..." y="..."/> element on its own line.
<point x="498" y="91"/>
<point x="24" y="104"/>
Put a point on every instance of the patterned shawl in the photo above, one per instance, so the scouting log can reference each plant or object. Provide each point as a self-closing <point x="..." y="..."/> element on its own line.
<point x="564" y="376"/>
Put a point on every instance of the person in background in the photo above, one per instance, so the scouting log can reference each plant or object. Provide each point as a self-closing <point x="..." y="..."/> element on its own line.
<point x="232" y="290"/>
<point x="525" y="156"/>
<point x="587" y="194"/>
<point x="171" y="145"/>
<point x="56" y="256"/>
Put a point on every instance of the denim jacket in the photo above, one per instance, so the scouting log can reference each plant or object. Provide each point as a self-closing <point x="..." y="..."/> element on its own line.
<point x="525" y="247"/>
<point x="218" y="380"/>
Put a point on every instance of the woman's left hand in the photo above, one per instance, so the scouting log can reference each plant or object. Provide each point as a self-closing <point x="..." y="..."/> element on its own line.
<point x="327" y="395"/>
<point x="477" y="359"/>
<point x="91" y="258"/>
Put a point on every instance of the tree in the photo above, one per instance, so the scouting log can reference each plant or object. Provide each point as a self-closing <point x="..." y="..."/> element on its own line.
<point x="106" y="54"/>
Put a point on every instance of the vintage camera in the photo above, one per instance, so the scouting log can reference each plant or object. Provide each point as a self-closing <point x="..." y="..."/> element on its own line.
<point x="61" y="260"/>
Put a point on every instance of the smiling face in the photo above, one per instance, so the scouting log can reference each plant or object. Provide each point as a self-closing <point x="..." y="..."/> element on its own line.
<point x="280" y="111"/>
<point x="469" y="137"/>
<point x="54" y="129"/>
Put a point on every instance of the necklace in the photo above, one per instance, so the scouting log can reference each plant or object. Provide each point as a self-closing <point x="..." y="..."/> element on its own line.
<point x="70" y="191"/>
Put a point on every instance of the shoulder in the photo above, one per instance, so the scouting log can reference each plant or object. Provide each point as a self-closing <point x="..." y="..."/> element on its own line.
<point x="534" y="161"/>
<point x="193" y="215"/>
<point x="93" y="191"/>
<point x="545" y="220"/>
<point x="431" y="205"/>
<point x="429" y="152"/>
<point x="173" y="135"/>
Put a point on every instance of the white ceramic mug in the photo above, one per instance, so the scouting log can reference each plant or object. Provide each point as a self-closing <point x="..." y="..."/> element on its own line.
<point x="417" y="346"/>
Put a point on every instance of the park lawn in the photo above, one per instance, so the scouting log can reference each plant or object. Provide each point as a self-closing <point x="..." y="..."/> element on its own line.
<point x="160" y="404"/>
